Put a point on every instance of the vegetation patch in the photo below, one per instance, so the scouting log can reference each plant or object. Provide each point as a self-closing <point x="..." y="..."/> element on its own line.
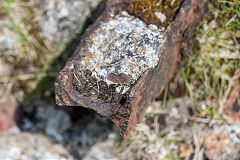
<point x="158" y="12"/>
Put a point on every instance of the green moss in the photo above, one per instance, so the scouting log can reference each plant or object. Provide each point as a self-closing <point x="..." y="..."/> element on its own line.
<point x="145" y="10"/>
<point x="210" y="72"/>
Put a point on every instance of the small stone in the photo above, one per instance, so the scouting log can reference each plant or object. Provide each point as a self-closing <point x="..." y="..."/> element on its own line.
<point x="15" y="145"/>
<point x="65" y="17"/>
<point x="220" y="146"/>
<point x="54" y="121"/>
<point x="186" y="150"/>
<point x="161" y="16"/>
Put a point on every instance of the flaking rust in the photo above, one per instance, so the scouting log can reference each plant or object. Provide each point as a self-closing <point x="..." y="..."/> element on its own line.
<point x="124" y="61"/>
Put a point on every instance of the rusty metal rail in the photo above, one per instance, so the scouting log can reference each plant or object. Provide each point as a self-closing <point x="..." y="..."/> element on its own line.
<point x="124" y="62"/>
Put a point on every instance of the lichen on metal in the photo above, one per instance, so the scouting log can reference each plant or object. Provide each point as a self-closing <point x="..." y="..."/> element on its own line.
<point x="122" y="49"/>
<point x="125" y="60"/>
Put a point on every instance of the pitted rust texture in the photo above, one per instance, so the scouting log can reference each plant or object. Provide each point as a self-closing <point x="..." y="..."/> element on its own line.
<point x="93" y="78"/>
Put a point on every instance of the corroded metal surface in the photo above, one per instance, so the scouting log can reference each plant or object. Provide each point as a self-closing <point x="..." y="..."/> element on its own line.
<point x="122" y="63"/>
<point x="121" y="50"/>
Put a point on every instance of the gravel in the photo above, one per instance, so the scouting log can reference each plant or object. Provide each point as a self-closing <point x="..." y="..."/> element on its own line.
<point x="60" y="21"/>
<point x="27" y="146"/>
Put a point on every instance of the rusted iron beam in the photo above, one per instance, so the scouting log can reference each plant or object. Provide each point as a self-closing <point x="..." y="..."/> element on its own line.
<point x="126" y="58"/>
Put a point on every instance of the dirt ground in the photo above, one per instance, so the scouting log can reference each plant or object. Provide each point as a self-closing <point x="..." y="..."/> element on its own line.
<point x="192" y="120"/>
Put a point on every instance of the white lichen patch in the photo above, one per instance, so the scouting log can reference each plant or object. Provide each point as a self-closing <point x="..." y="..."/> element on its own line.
<point x="124" y="45"/>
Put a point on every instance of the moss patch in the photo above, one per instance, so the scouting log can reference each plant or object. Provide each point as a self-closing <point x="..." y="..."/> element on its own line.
<point x="146" y="10"/>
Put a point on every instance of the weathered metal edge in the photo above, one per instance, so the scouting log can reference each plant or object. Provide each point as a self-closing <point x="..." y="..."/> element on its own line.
<point x="151" y="83"/>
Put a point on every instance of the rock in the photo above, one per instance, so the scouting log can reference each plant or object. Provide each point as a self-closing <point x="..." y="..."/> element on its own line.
<point x="8" y="107"/>
<point x="77" y="136"/>
<point x="223" y="143"/>
<point x="54" y="121"/>
<point x="102" y="150"/>
<point x="186" y="150"/>
<point x="81" y="140"/>
<point x="25" y="146"/>
<point x="61" y="20"/>
<point x="9" y="40"/>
